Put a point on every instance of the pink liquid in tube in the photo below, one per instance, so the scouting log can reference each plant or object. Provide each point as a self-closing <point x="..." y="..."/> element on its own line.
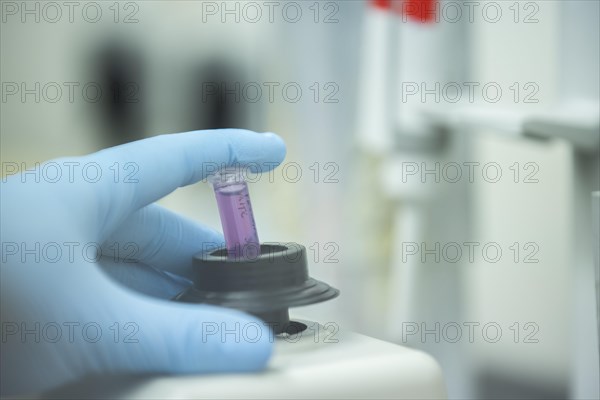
<point x="235" y="210"/>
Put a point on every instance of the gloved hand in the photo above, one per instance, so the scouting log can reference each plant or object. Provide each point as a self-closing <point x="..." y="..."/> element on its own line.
<point x="64" y="317"/>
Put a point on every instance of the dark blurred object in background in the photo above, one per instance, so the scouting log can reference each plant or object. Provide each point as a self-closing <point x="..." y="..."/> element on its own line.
<point x="120" y="73"/>
<point x="216" y="101"/>
<point x="212" y="100"/>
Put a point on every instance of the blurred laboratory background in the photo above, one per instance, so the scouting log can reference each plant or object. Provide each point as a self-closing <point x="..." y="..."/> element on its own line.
<point x="416" y="130"/>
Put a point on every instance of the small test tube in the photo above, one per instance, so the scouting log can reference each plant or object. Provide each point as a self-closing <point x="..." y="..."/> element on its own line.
<point x="235" y="210"/>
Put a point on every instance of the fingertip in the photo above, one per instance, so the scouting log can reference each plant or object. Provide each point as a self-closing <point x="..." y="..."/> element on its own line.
<point x="255" y="345"/>
<point x="271" y="153"/>
<point x="264" y="348"/>
<point x="261" y="152"/>
<point x="279" y="147"/>
<point x="231" y="341"/>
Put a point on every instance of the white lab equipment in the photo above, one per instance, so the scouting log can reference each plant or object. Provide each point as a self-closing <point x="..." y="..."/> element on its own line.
<point x="323" y="362"/>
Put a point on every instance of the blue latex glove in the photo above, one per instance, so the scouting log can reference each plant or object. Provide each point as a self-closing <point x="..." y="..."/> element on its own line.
<point x="70" y="294"/>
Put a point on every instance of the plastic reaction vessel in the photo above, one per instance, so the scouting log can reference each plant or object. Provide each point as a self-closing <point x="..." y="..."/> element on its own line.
<point x="235" y="210"/>
<point x="261" y="279"/>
